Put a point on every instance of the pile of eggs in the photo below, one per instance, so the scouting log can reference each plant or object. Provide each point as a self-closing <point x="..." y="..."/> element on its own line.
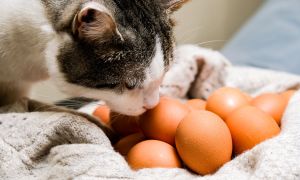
<point x="199" y="135"/>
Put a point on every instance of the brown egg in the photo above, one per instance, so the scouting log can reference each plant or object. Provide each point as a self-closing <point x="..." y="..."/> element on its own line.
<point x="197" y="104"/>
<point x="102" y="112"/>
<point x="287" y="95"/>
<point x="271" y="103"/>
<point x="225" y="100"/>
<point x="250" y="126"/>
<point x="124" y="125"/>
<point x="248" y="97"/>
<point x="125" y="144"/>
<point x="153" y="154"/>
<point x="203" y="141"/>
<point x="161" y="122"/>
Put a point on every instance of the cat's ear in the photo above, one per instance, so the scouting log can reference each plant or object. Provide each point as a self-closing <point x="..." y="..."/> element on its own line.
<point x="173" y="5"/>
<point x="94" y="25"/>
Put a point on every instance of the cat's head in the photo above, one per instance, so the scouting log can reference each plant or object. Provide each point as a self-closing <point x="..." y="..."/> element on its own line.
<point x="115" y="50"/>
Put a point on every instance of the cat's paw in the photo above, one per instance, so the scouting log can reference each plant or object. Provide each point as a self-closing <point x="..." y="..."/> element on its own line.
<point x="36" y="106"/>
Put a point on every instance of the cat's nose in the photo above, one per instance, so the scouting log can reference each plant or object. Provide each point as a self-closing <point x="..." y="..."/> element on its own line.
<point x="151" y="100"/>
<point x="151" y="105"/>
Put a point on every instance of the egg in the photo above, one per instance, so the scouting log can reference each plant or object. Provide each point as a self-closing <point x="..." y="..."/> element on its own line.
<point x="250" y="126"/>
<point x="103" y="113"/>
<point x="196" y="104"/>
<point x="225" y="100"/>
<point x="124" y="145"/>
<point x="161" y="122"/>
<point x="271" y="103"/>
<point x="153" y="154"/>
<point x="287" y="95"/>
<point x="248" y="97"/>
<point x="203" y="142"/>
<point x="124" y="125"/>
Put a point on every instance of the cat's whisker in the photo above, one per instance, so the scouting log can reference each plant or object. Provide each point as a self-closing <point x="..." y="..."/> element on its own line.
<point x="184" y="35"/>
<point x="75" y="101"/>
<point x="210" y="42"/>
<point x="115" y="116"/>
<point x="70" y="103"/>
<point x="100" y="104"/>
<point x="45" y="108"/>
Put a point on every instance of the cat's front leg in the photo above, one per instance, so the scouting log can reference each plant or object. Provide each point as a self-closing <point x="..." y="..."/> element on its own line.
<point x="36" y="106"/>
<point x="11" y="92"/>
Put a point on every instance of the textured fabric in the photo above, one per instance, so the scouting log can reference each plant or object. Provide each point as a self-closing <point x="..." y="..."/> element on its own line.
<point x="48" y="145"/>
<point x="271" y="39"/>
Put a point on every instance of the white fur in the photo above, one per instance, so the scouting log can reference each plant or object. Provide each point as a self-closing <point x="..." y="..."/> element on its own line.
<point x="91" y="107"/>
<point x="22" y="40"/>
<point x="154" y="77"/>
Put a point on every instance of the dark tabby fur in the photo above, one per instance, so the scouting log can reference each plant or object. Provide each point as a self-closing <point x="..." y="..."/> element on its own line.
<point x="110" y="63"/>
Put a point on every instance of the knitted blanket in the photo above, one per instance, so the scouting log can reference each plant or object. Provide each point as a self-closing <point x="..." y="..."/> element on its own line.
<point x="51" y="145"/>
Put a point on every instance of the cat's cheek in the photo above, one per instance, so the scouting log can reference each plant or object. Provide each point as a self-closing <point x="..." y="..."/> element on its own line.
<point x="151" y="99"/>
<point x="154" y="77"/>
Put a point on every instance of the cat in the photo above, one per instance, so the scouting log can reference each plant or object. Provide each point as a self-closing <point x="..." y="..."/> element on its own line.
<point x="114" y="50"/>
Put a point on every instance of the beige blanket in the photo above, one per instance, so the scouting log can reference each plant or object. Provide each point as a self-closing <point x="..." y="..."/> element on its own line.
<point x="48" y="145"/>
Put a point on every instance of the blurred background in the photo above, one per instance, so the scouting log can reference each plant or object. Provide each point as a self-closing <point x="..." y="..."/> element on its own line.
<point x="208" y="23"/>
<point x="211" y="23"/>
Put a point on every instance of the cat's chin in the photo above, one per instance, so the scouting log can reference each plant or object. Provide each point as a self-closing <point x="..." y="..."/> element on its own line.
<point x="129" y="112"/>
<point x="133" y="113"/>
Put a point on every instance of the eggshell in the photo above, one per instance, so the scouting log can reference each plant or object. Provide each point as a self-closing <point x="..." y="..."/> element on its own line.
<point x="153" y="154"/>
<point x="225" y="100"/>
<point x="248" y="97"/>
<point x="203" y="141"/>
<point x="125" y="144"/>
<point x="124" y="125"/>
<point x="197" y="104"/>
<point x="103" y="113"/>
<point x="271" y="103"/>
<point x="250" y="126"/>
<point x="161" y="122"/>
<point x="287" y="95"/>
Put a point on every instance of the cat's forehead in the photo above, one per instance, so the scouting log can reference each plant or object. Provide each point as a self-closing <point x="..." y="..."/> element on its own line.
<point x="137" y="12"/>
<point x="141" y="56"/>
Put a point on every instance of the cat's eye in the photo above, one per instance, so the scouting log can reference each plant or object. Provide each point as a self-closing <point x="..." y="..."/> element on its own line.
<point x="130" y="86"/>
<point x="107" y="86"/>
